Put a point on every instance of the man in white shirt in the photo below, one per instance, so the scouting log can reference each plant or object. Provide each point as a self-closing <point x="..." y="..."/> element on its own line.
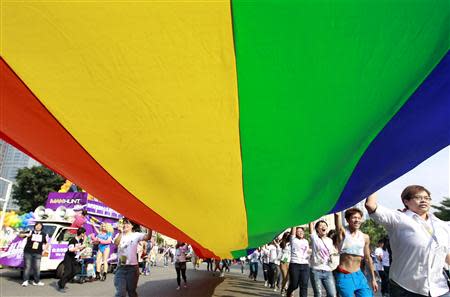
<point x="254" y="258"/>
<point x="379" y="252"/>
<point x="420" y="244"/>
<point x="127" y="274"/>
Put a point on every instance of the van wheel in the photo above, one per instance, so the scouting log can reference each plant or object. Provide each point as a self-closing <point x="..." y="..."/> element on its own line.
<point x="60" y="270"/>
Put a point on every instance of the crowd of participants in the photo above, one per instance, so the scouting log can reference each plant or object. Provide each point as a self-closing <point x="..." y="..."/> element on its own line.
<point x="411" y="261"/>
<point x="339" y="262"/>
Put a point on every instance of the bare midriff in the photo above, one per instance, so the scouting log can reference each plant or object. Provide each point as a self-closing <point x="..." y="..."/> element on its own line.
<point x="350" y="263"/>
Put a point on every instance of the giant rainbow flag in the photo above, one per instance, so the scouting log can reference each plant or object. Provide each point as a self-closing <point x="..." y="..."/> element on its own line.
<point x="220" y="123"/>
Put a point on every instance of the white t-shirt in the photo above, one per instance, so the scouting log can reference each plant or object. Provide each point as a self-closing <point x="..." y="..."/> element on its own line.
<point x="299" y="251"/>
<point x="180" y="253"/>
<point x="127" y="249"/>
<point x="274" y="253"/>
<point x="265" y="256"/>
<point x="378" y="264"/>
<point x="321" y="252"/>
<point x="286" y="253"/>
<point x="254" y="257"/>
<point x="385" y="261"/>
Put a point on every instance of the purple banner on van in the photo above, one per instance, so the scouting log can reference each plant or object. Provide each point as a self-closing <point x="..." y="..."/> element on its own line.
<point x="58" y="251"/>
<point x="68" y="200"/>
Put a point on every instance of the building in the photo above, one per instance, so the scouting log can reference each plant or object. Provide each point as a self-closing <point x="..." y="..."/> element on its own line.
<point x="11" y="160"/>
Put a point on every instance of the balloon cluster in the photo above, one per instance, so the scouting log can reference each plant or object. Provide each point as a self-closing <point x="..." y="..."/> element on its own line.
<point x="13" y="220"/>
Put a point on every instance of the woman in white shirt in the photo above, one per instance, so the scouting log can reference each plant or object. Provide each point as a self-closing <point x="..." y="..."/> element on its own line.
<point x="284" y="260"/>
<point x="321" y="259"/>
<point x="420" y="244"/>
<point x="181" y="250"/>
<point x="299" y="265"/>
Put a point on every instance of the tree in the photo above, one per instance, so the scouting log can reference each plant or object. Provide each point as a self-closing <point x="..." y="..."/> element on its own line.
<point x="374" y="230"/>
<point x="33" y="185"/>
<point x="443" y="210"/>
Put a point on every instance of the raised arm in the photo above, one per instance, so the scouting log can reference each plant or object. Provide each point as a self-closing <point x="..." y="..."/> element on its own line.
<point x="148" y="236"/>
<point x="371" y="203"/>
<point x="311" y="227"/>
<point x="293" y="231"/>
<point x="339" y="229"/>
<point x="369" y="262"/>
<point x="119" y="235"/>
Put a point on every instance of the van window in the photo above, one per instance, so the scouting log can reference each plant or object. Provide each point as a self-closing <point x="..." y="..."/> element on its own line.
<point x="64" y="235"/>
<point x="47" y="229"/>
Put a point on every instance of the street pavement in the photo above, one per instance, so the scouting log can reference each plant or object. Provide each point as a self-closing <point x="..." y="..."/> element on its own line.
<point x="161" y="283"/>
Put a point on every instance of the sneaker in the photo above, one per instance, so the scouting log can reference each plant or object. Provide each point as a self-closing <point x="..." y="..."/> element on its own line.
<point x="185" y="286"/>
<point x="265" y="284"/>
<point x="25" y="284"/>
<point x="178" y="287"/>
<point x="222" y="274"/>
<point x="40" y="284"/>
<point x="275" y="289"/>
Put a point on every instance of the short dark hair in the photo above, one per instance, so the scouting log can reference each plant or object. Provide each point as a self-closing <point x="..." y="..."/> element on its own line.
<point x="316" y="226"/>
<point x="351" y="211"/>
<point x="80" y="231"/>
<point x="410" y="191"/>
<point x="38" y="223"/>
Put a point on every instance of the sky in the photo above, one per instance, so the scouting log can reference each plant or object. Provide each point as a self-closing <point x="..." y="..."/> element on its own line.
<point x="433" y="174"/>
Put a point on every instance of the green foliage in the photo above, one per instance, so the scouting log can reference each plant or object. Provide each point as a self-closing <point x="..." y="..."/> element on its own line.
<point x="159" y="239"/>
<point x="33" y="185"/>
<point x="374" y="230"/>
<point x="443" y="210"/>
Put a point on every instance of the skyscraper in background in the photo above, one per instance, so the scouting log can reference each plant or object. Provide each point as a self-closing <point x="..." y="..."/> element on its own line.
<point x="11" y="160"/>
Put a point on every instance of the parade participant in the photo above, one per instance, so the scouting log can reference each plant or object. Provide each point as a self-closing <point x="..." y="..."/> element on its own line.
<point x="379" y="255"/>
<point x="265" y="264"/>
<point x="104" y="239"/>
<point x="420" y="244"/>
<point x="142" y="255"/>
<point x="70" y="262"/>
<point x="79" y="219"/>
<point x="36" y="244"/>
<point x="127" y="273"/>
<point x="284" y="261"/>
<point x="181" y="251"/>
<point x="254" y="259"/>
<point x="353" y="248"/>
<point x="299" y="265"/>
<point x="218" y="267"/>
<point x="166" y="256"/>
<point x="242" y="263"/>
<point x="321" y="259"/>
<point x="274" y="251"/>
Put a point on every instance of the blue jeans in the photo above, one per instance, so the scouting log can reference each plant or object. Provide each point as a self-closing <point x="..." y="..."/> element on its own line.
<point x="125" y="280"/>
<point x="353" y="284"/>
<point x="253" y="270"/>
<point x="32" y="262"/>
<point x="325" y="278"/>
<point x="398" y="291"/>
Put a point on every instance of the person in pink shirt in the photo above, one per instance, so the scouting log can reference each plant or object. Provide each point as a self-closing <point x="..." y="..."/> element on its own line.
<point x="80" y="219"/>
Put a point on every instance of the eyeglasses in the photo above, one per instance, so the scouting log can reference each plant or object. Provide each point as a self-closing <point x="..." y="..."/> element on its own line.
<point x="422" y="198"/>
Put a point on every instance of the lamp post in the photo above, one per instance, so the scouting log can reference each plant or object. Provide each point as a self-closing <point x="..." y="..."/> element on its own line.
<point x="6" y="200"/>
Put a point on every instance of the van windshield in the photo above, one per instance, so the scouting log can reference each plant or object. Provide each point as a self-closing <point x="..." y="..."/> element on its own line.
<point x="47" y="229"/>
